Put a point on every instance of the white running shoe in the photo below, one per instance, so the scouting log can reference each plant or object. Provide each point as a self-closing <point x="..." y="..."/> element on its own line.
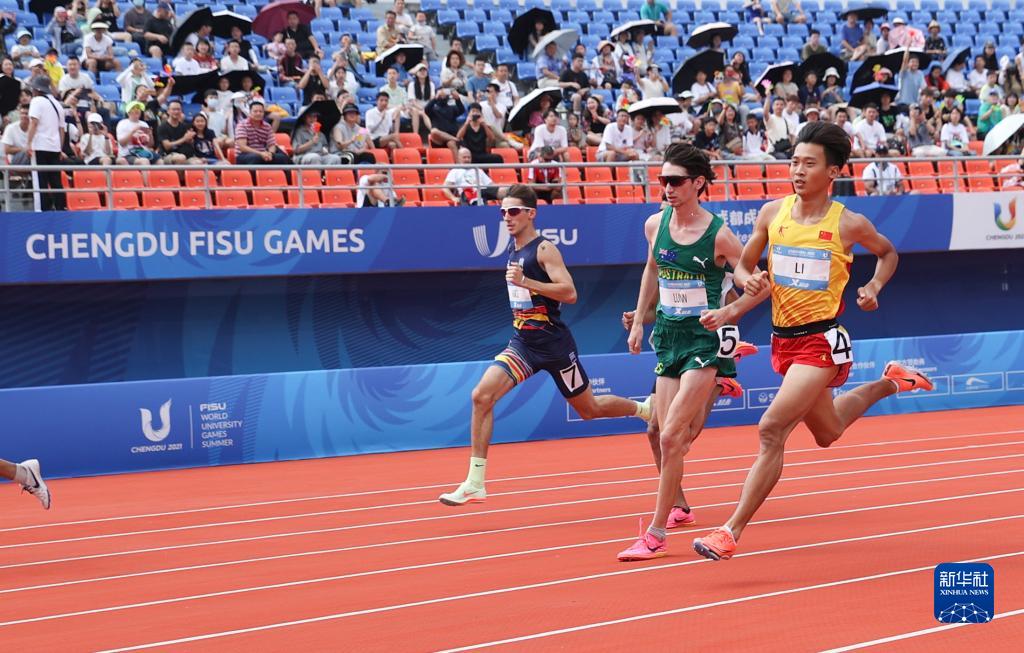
<point x="646" y="408"/>
<point x="463" y="494"/>
<point x="39" y="490"/>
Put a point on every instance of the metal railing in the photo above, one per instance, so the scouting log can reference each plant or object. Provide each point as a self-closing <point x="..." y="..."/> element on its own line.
<point x="625" y="182"/>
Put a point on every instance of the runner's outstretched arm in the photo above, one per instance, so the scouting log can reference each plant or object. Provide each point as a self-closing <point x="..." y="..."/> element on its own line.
<point x="561" y="288"/>
<point x="729" y="250"/>
<point x="648" y="296"/>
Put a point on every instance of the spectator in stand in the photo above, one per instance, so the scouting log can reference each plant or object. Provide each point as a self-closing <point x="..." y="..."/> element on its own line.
<point x="977" y="77"/>
<point x="175" y="136"/>
<point x="730" y="132"/>
<point x="813" y="46"/>
<point x="254" y="140"/>
<point x="935" y="44"/>
<point x="575" y="84"/>
<point x="702" y="89"/>
<point x="376" y="190"/>
<point x="15" y="139"/>
<point x="954" y="134"/>
<point x="453" y="74"/>
<point x="477" y="83"/>
<point x="64" y="33"/>
<point x="134" y="77"/>
<point x="810" y="92"/>
<point x="728" y="87"/>
<point x="852" y="44"/>
<point x="574" y="132"/>
<point x="403" y="19"/>
<point x="832" y="93"/>
<point x="444" y="111"/>
<point x="245" y="48"/>
<point x="755" y="143"/>
<point x="882" y="44"/>
<point x="408" y="110"/>
<point x="134" y="136"/>
<point x="661" y="130"/>
<point x="990" y="113"/>
<point x="476" y="136"/>
<point x="756" y="14"/>
<point x="233" y="60"/>
<point x="549" y="66"/>
<point x="537" y="115"/>
<point x="882" y="177"/>
<point x="466" y="185"/>
<point x="954" y="78"/>
<point x="309" y="143"/>
<point x="989" y="54"/>
<point x="46" y="132"/>
<point x="382" y="122"/>
<point x="276" y="48"/>
<point x="605" y="71"/>
<point x="290" y="67"/>
<point x="96" y="146"/>
<point x="204" y="56"/>
<point x="991" y="85"/>
<point x="76" y="79"/>
<point x="1012" y="175"/>
<point x="661" y="15"/>
<point x="1011" y="106"/>
<point x="24" y="51"/>
<point x="551" y="134"/>
<point x="423" y="34"/>
<point x="135" y="20"/>
<point x="841" y="118"/>
<point x="792" y="114"/>
<point x="8" y="23"/>
<point x="539" y="30"/>
<point x="617" y="141"/>
<point x="870" y="40"/>
<point x="787" y="87"/>
<point x="420" y="89"/>
<point x="307" y="44"/>
<point x="508" y="94"/>
<point x="911" y="78"/>
<point x="788" y="11"/>
<point x="901" y="35"/>
<point x="494" y="115"/>
<point x="643" y="138"/>
<point x="186" y="64"/>
<point x="780" y="136"/>
<point x="388" y="35"/>
<point x="52" y="68"/>
<point x="936" y="81"/>
<point x="870" y="133"/>
<point x="313" y="83"/>
<point x="707" y="139"/>
<point x="204" y="33"/>
<point x="350" y="140"/>
<point x="158" y="30"/>
<point x="205" y="144"/>
<point x="546" y="180"/>
<point x="742" y="68"/>
<point x="681" y="122"/>
<point x="595" y="119"/>
<point x="921" y="134"/>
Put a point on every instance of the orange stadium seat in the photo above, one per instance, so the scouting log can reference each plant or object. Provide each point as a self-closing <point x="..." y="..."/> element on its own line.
<point x="233" y="178"/>
<point x="83" y="201"/>
<point x="507" y="154"/>
<point x="130" y="179"/>
<point x="926" y="177"/>
<point x="407" y="156"/>
<point x="410" y="140"/>
<point x="163" y="179"/>
<point x="432" y="193"/>
<point x="310" y="193"/>
<point x="231" y="199"/>
<point x="440" y="156"/>
<point x="159" y="199"/>
<point x="284" y="142"/>
<point x="411" y="180"/>
<point x="126" y="200"/>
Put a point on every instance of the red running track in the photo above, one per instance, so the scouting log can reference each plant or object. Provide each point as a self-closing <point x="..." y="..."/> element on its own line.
<point x="356" y="554"/>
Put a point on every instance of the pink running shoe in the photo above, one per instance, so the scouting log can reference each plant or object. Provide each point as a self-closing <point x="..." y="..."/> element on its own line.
<point x="647" y="547"/>
<point x="730" y="387"/>
<point x="719" y="544"/>
<point x="679" y="517"/>
<point x="744" y="349"/>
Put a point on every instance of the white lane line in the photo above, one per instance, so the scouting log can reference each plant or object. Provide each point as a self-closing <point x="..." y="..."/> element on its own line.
<point x="918" y="633"/>
<point x="577" y="579"/>
<point x="335" y="578"/>
<point x="510" y="529"/>
<point x="445" y="563"/>
<point x="742" y="599"/>
<point x="596" y="470"/>
<point x="458" y="515"/>
<point x="555" y="489"/>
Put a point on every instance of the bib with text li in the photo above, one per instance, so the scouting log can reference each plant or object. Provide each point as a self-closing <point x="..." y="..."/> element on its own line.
<point x="801" y="267"/>
<point x="519" y="297"/>
<point x="682" y="297"/>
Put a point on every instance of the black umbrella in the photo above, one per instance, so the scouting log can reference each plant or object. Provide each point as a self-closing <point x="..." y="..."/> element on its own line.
<point x="923" y="58"/>
<point x="646" y="26"/>
<point x="40" y="7"/>
<point x="413" y="55"/>
<point x="773" y="74"/>
<point x="185" y="84"/>
<point x="10" y="92"/>
<point x="328" y="112"/>
<point x="701" y="37"/>
<point x="235" y="78"/>
<point x="190" y="25"/>
<point x="519" y="116"/>
<point x="872" y="94"/>
<point x="224" y="21"/>
<point x="649" y="107"/>
<point x="865" y="12"/>
<point x="866" y="73"/>
<point x="819" y="63"/>
<point x="522" y="27"/>
<point x="709" y="61"/>
<point x="959" y="55"/>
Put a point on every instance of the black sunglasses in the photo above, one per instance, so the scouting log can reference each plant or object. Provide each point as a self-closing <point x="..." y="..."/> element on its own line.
<point x="513" y="211"/>
<point x="675" y="181"/>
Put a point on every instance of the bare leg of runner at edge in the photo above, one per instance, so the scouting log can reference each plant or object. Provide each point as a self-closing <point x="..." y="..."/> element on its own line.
<point x="538" y="283"/>
<point x="28" y="476"/>
<point x="681" y="513"/>
<point x="689" y="251"/>
<point x="810" y="239"/>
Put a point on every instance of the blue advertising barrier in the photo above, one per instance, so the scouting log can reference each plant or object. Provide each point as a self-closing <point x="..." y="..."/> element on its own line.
<point x="131" y="245"/>
<point x="123" y="427"/>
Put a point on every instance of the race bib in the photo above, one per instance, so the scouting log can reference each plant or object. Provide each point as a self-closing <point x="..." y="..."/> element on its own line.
<point x="840" y="345"/>
<point x="728" y="340"/>
<point x="682" y="297"/>
<point x="519" y="297"/>
<point x="801" y="267"/>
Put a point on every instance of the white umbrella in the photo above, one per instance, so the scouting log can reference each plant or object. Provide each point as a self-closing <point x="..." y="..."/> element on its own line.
<point x="520" y="113"/>
<point x="564" y="38"/>
<point x="647" y="107"/>
<point x="1002" y="132"/>
<point x="648" y="26"/>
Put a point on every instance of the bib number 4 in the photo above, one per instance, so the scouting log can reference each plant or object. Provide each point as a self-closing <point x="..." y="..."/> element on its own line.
<point x="728" y="340"/>
<point x="840" y="345"/>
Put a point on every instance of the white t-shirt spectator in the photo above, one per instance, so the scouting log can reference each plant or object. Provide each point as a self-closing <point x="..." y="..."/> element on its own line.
<point x="702" y="92"/>
<point x="462" y="178"/>
<point x="777" y="128"/>
<point x="621" y="139"/>
<point x="50" y="115"/>
<point x="126" y="127"/>
<point x="682" y="123"/>
<point x="554" y="139"/>
<point x="183" y="66"/>
<point x="507" y="94"/>
<point x="495" y="118"/>
<point x="67" y="82"/>
<point x="379" y="124"/>
<point x="792" y="119"/>
<point x="651" y="89"/>
<point x="228" y="66"/>
<point x="14" y="136"/>
<point x="129" y="83"/>
<point x="96" y="47"/>
<point x="871" y="135"/>
<point x="886" y="179"/>
<point x="753" y="143"/>
<point x="954" y="133"/>
<point x="848" y="128"/>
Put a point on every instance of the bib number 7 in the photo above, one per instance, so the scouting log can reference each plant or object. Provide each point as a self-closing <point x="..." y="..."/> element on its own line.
<point x="840" y="345"/>
<point x="728" y="340"/>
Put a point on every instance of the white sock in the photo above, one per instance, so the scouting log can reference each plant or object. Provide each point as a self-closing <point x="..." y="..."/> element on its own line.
<point x="477" y="471"/>
<point x="22" y="475"/>
<point x="639" y="409"/>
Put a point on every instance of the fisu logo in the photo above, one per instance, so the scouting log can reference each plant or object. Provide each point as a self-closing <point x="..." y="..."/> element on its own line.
<point x="1006" y="225"/>
<point x="564" y="237"/>
<point x="160" y="434"/>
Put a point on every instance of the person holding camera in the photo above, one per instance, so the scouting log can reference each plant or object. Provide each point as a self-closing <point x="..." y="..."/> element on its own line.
<point x="313" y="82"/>
<point x="95" y="146"/>
<point x="477" y="136"/>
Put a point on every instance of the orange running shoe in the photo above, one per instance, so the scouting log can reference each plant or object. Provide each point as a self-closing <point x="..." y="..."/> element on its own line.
<point x="730" y="387"/>
<point x="744" y="349"/>
<point x="906" y="378"/>
<point x="719" y="544"/>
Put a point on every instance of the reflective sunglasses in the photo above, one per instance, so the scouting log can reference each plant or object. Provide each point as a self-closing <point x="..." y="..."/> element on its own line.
<point x="675" y="181"/>
<point x="513" y="211"/>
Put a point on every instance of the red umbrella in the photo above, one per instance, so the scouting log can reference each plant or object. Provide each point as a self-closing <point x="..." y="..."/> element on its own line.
<point x="274" y="17"/>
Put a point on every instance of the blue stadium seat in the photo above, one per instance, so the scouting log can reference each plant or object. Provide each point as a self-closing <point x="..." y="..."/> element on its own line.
<point x="349" y="27"/>
<point x="963" y="41"/>
<point x="459" y="5"/>
<point x="1005" y="5"/>
<point x="580" y="17"/>
<point x="280" y="94"/>
<point x="587" y="5"/>
<point x="995" y="16"/>
<point x="495" y="28"/>
<point x="477" y="15"/>
<point x="970" y="16"/>
<point x="605" y="17"/>
<point x="110" y="92"/>
<point x="430" y="5"/>
<point x="768" y="42"/>
<point x="367" y="95"/>
<point x="702" y="17"/>
<point x="606" y="96"/>
<point x="502" y="16"/>
<point x="748" y="29"/>
<point x="486" y="43"/>
<point x="971" y="107"/>
<point x="600" y="30"/>
<point x="526" y="70"/>
<point x="464" y="29"/>
<point x="320" y="25"/>
<point x="787" y="54"/>
<point x="966" y="28"/>
<point x="764" y="54"/>
<point x="988" y="28"/>
<point x="505" y="55"/>
<point x="793" y="42"/>
<point x="743" y="42"/>
<point x="628" y="14"/>
<point x="946" y="18"/>
<point x="774" y="29"/>
<point x="930" y="5"/>
<point x="447" y="17"/>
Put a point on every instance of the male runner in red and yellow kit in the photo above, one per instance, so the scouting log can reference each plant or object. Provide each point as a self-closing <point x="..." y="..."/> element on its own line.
<point x="810" y="240"/>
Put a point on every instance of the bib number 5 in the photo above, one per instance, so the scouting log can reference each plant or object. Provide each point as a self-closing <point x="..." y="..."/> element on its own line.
<point x="728" y="340"/>
<point x="840" y="345"/>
